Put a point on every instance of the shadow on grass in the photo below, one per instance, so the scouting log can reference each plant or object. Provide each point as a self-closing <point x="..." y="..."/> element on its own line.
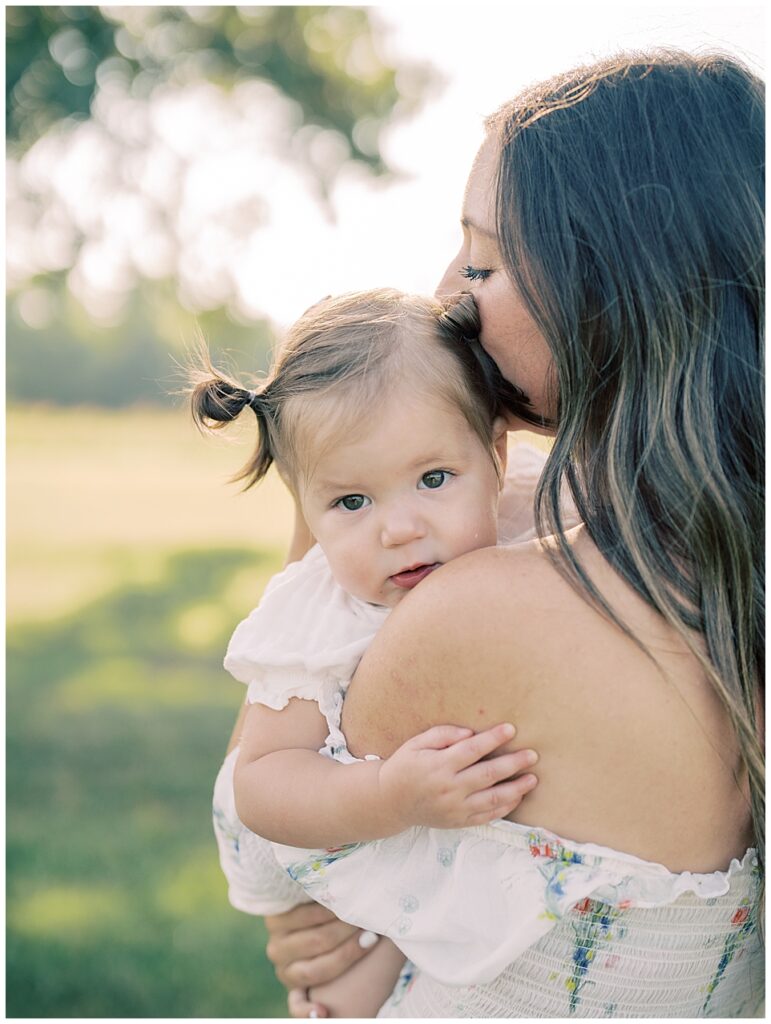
<point x="118" y="718"/>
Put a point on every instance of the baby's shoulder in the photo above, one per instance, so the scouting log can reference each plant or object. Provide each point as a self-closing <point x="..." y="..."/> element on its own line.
<point x="305" y="622"/>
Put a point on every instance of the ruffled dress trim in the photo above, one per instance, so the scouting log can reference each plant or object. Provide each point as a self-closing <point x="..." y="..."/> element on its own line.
<point x="463" y="904"/>
<point x="304" y="639"/>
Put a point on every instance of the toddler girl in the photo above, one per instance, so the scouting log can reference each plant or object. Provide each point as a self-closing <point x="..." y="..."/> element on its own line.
<point x="384" y="417"/>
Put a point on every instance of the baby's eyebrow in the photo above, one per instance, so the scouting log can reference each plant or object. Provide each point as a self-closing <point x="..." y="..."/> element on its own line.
<point x="334" y="487"/>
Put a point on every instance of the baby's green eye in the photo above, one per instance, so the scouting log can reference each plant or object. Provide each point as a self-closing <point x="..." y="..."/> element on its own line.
<point x="434" y="478"/>
<point x="352" y="502"/>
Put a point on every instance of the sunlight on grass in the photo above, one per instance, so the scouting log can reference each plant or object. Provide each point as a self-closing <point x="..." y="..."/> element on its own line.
<point x="87" y="513"/>
<point x="70" y="912"/>
<point x="195" y="887"/>
<point x="244" y="590"/>
<point x="199" y="627"/>
<point x="36" y="593"/>
<point x="122" y="488"/>
<point x="126" y="683"/>
<point x="150" y="817"/>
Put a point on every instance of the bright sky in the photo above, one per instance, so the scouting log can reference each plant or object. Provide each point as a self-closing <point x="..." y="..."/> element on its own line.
<point x="403" y="236"/>
<point x="217" y="155"/>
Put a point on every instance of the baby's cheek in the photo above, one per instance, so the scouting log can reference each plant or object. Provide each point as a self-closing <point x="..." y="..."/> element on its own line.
<point x="356" y="582"/>
<point x="487" y="534"/>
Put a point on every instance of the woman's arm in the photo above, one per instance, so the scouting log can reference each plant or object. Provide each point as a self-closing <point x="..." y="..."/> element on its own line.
<point x="302" y="538"/>
<point x="361" y="991"/>
<point x="310" y="946"/>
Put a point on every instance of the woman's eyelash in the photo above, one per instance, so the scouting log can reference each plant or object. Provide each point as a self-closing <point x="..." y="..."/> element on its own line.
<point x="475" y="273"/>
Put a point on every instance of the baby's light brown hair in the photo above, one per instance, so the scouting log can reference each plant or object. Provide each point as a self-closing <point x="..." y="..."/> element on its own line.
<point x="338" y="362"/>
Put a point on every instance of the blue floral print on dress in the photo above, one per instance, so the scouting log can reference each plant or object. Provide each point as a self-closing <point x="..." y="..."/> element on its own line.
<point x="744" y="923"/>
<point x="554" y="862"/>
<point x="307" y="871"/>
<point x="403" y="984"/>
<point x="593" y="927"/>
<point x="226" y="828"/>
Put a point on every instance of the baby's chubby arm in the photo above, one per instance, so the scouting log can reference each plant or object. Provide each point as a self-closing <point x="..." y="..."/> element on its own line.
<point x="446" y="777"/>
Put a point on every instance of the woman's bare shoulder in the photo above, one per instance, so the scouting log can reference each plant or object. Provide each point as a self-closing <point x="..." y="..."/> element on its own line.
<point x="500" y="635"/>
<point x="483" y="617"/>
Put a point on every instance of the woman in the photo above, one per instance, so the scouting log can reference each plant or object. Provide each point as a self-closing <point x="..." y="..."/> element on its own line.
<point x="613" y="239"/>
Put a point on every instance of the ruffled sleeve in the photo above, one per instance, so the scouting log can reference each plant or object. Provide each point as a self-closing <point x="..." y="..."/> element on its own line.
<point x="306" y="635"/>
<point x="463" y="904"/>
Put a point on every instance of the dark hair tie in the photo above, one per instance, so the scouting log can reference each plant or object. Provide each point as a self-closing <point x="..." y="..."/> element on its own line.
<point x="253" y="400"/>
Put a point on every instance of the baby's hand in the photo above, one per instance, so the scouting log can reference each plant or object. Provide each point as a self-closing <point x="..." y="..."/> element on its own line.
<point x="438" y="778"/>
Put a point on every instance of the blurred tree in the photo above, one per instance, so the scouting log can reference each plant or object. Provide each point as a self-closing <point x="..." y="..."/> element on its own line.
<point x="144" y="145"/>
<point x="323" y="58"/>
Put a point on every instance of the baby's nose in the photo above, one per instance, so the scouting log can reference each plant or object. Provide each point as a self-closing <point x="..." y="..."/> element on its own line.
<point x="401" y="526"/>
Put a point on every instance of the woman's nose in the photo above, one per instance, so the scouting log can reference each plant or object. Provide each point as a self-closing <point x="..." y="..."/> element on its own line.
<point x="451" y="282"/>
<point x="401" y="526"/>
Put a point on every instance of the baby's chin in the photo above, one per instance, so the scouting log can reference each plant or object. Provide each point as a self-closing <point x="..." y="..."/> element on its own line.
<point x="384" y="600"/>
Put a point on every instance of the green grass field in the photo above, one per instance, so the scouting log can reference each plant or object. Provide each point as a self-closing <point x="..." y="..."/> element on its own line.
<point x="130" y="559"/>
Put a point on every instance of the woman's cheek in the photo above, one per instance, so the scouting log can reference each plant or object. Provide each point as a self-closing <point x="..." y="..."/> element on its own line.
<point x="497" y="336"/>
<point x="511" y="337"/>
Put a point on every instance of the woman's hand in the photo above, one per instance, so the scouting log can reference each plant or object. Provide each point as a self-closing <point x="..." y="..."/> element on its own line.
<point x="309" y="946"/>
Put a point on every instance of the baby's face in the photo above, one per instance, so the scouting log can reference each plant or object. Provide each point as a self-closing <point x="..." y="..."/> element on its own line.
<point x="414" y="490"/>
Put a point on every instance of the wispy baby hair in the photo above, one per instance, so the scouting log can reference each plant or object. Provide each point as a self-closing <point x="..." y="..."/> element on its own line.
<point x="340" y="359"/>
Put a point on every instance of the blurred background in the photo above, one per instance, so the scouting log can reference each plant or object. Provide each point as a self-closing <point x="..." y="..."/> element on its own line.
<point x="173" y="171"/>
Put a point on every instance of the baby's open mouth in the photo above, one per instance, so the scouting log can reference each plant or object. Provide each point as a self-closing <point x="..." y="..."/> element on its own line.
<point x="409" y="578"/>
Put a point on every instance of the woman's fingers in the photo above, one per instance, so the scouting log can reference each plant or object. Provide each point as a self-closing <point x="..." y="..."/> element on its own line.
<point x="317" y="970"/>
<point x="306" y="915"/>
<point x="306" y="943"/>
<point x="484" y="774"/>
<point x="300" y="1006"/>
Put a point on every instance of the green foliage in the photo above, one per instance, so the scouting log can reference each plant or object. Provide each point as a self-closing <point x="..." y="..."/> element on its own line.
<point x="67" y="63"/>
<point x="51" y="59"/>
<point x="321" y="57"/>
<point x="76" y="361"/>
<point x="116" y="904"/>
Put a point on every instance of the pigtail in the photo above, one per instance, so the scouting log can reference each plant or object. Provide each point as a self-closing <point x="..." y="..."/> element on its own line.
<point x="460" y="326"/>
<point x="216" y="400"/>
<point x="460" y="317"/>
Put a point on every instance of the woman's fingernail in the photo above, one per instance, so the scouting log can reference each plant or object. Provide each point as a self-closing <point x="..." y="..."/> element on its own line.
<point x="314" y="1014"/>
<point x="368" y="939"/>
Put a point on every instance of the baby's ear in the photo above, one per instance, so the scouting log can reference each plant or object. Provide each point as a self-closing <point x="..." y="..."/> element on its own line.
<point x="501" y="443"/>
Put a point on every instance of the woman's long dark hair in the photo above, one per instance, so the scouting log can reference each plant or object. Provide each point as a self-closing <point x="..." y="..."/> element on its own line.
<point x="630" y="206"/>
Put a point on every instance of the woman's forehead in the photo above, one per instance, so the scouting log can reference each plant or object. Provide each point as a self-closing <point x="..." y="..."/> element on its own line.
<point x="479" y="198"/>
